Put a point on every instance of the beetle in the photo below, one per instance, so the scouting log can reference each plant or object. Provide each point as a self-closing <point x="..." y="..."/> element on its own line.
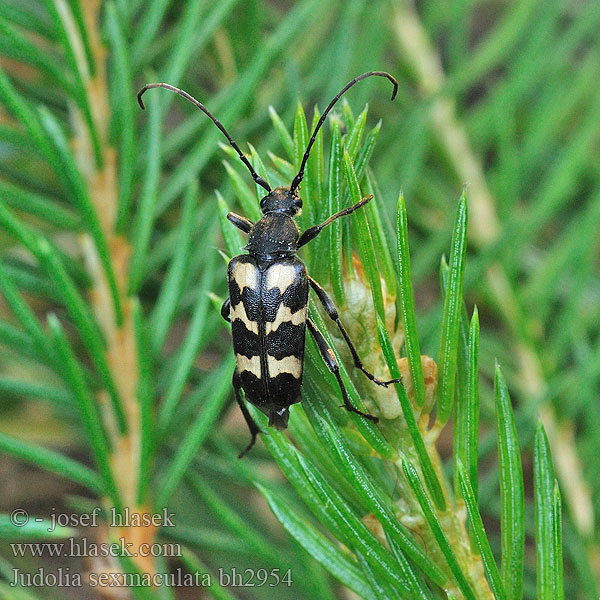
<point x="268" y="292"/>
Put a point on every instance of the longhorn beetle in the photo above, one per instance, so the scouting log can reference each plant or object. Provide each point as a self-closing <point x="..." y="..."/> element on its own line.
<point x="268" y="293"/>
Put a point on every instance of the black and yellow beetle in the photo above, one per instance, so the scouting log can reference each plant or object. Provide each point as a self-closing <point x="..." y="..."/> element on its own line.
<point x="268" y="293"/>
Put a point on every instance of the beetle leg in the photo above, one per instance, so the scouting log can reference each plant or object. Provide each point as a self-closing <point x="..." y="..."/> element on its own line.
<point x="312" y="232"/>
<point x="252" y="426"/>
<point x="332" y="365"/>
<point x="225" y="309"/>
<point x="333" y="315"/>
<point x="240" y="222"/>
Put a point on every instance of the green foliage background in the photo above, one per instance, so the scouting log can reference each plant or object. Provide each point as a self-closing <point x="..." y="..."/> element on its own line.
<point x="115" y="366"/>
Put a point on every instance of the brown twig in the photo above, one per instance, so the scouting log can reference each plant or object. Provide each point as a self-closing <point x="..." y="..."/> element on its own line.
<point x="417" y="51"/>
<point x="121" y="342"/>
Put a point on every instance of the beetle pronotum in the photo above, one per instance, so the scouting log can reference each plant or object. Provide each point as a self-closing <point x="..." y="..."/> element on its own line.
<point x="268" y="292"/>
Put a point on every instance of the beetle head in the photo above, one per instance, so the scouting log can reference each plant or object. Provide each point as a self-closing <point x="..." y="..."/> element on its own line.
<point x="281" y="200"/>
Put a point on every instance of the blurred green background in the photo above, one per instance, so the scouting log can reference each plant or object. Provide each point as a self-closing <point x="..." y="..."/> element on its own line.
<point x="500" y="97"/>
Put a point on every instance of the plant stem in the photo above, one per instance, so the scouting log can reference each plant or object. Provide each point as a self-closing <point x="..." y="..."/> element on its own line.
<point x="485" y="229"/>
<point x="122" y="349"/>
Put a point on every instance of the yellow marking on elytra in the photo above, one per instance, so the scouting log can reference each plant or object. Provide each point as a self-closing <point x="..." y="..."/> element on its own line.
<point x="283" y="315"/>
<point x="281" y="276"/>
<point x="239" y="312"/>
<point x="252" y="365"/>
<point x="245" y="275"/>
<point x="288" y="364"/>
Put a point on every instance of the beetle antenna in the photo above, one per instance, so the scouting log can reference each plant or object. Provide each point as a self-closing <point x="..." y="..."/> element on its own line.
<point x="298" y="178"/>
<point x="257" y="178"/>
